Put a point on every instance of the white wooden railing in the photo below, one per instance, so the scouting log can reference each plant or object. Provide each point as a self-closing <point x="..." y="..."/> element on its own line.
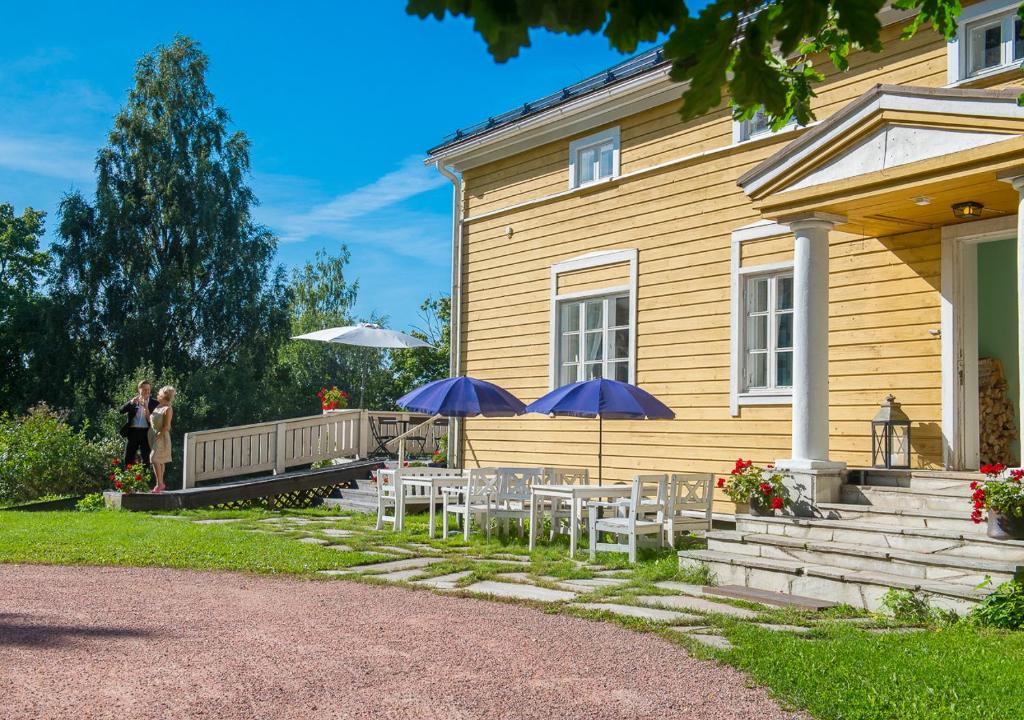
<point x="277" y="446"/>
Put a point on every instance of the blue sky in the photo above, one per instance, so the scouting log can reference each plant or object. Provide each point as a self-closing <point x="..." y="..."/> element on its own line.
<point x="339" y="99"/>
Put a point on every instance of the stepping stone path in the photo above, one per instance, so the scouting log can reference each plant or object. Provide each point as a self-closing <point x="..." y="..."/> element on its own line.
<point x="713" y="641"/>
<point x="519" y="577"/>
<point x="347" y="571"/>
<point x="685" y="602"/>
<point x="340" y="548"/>
<point x="337" y="532"/>
<point x="394" y="549"/>
<point x="444" y="582"/>
<point x="798" y="629"/>
<point x="400" y="575"/>
<point x="644" y="613"/>
<point x="682" y="588"/>
<point x="217" y="521"/>
<point x="313" y="541"/>
<point x="395" y="565"/>
<point x="520" y="592"/>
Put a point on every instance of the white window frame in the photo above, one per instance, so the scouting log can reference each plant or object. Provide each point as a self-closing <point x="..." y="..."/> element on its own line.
<point x="738" y="395"/>
<point x="958" y="50"/>
<point x="597" y="139"/>
<point x="606" y="329"/>
<point x="742" y="131"/>
<point x="586" y="262"/>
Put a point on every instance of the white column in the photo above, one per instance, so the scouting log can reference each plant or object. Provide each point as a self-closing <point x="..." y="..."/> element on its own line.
<point x="1018" y="185"/>
<point x="810" y="339"/>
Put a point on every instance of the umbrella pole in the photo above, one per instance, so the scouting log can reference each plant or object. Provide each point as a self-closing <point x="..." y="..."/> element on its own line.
<point x="600" y="446"/>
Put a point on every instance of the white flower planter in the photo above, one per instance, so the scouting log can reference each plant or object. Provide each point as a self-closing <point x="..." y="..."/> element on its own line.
<point x="113" y="499"/>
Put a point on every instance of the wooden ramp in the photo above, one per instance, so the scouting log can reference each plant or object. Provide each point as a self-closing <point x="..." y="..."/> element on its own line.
<point x="298" y="489"/>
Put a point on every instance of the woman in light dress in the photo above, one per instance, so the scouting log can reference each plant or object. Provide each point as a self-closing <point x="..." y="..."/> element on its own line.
<point x="160" y="435"/>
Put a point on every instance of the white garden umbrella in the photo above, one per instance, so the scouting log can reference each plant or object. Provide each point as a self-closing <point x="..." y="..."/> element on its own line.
<point x="364" y="335"/>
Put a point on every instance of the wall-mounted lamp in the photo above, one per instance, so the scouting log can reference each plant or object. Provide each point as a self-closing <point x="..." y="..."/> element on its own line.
<point x="967" y="210"/>
<point x="922" y="200"/>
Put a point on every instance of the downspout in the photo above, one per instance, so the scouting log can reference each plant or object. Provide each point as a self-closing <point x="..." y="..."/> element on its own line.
<point x="455" y="424"/>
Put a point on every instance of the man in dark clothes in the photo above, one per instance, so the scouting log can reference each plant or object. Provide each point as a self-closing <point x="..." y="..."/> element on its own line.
<point x="135" y="431"/>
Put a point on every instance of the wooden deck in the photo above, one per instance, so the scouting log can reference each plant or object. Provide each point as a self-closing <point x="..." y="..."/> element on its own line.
<point x="301" y="488"/>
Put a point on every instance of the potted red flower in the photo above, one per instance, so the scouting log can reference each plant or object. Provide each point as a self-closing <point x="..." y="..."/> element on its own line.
<point x="126" y="480"/>
<point x="332" y="399"/>
<point x="1002" y="495"/>
<point x="760" y="488"/>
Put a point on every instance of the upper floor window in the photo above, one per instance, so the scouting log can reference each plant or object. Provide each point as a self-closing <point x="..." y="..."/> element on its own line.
<point x="594" y="339"/>
<point x="988" y="40"/>
<point x="757" y="126"/>
<point x="594" y="158"/>
<point x="768" y="332"/>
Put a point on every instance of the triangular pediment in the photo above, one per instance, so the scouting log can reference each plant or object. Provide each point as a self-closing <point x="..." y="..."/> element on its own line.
<point x="888" y="127"/>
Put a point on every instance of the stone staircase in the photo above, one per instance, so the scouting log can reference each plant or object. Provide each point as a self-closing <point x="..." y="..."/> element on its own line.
<point x="361" y="497"/>
<point x="910" y="531"/>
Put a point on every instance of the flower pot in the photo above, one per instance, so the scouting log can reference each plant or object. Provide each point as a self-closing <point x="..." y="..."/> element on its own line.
<point x="112" y="498"/>
<point x="1005" y="527"/>
<point x="761" y="508"/>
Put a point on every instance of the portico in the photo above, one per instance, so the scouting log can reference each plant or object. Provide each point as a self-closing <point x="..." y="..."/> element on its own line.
<point x="892" y="162"/>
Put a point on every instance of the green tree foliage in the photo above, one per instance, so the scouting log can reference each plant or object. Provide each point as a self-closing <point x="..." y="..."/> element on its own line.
<point x="762" y="53"/>
<point x="413" y="368"/>
<point x="22" y="265"/>
<point x="166" y="266"/>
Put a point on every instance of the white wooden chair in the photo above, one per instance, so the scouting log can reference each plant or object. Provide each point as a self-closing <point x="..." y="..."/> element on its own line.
<point x="387" y="497"/>
<point x="513" y="499"/>
<point x="387" y="493"/>
<point x="477" y="499"/>
<point x="642" y="514"/>
<point x="559" y="511"/>
<point x="690" y="497"/>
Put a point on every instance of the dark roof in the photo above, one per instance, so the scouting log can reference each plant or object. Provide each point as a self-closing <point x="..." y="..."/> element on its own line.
<point x="634" y="66"/>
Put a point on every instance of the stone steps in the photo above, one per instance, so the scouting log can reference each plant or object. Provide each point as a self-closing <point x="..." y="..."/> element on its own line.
<point x="859" y="588"/>
<point x="959" y="520"/>
<point x="362" y="498"/>
<point x="870" y="558"/>
<point x="923" y="540"/>
<point x="900" y="498"/>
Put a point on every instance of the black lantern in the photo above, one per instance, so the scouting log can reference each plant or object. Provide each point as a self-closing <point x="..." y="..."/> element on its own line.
<point x="890" y="436"/>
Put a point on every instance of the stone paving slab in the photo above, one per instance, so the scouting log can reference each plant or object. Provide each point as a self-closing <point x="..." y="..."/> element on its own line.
<point x="394" y="549"/>
<point x="217" y="521"/>
<point x="519" y="577"/>
<point x="508" y="557"/>
<point x="683" y="588"/>
<point x="400" y="575"/>
<point x="599" y="582"/>
<point x="346" y="571"/>
<point x="395" y="565"/>
<point x="342" y="548"/>
<point x="798" y="629"/>
<point x="713" y="641"/>
<point x="685" y="602"/>
<point x="520" y="592"/>
<point x="337" y="532"/>
<point x="313" y="541"/>
<point x="444" y="582"/>
<point x="645" y="613"/>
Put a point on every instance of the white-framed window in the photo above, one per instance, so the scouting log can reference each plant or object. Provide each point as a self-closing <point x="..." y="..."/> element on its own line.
<point x="988" y="40"/>
<point x="593" y="330"/>
<point x="594" y="339"/>
<point x="594" y="158"/>
<point x="767" y="354"/>
<point x="761" y="324"/>
<point x="756" y="127"/>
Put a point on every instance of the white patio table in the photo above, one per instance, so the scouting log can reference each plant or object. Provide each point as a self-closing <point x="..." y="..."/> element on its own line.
<point x="575" y="495"/>
<point x="431" y="484"/>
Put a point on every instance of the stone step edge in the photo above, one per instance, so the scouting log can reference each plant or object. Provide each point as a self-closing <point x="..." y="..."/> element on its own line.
<point x="876" y="552"/>
<point x="958" y="494"/>
<point x="933" y="587"/>
<point x="858" y="525"/>
<point x="907" y="512"/>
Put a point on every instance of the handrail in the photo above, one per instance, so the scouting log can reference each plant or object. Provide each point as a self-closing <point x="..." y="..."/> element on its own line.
<point x="400" y="439"/>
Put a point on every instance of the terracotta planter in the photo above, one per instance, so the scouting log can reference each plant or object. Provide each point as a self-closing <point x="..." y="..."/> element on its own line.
<point x="1005" y="527"/>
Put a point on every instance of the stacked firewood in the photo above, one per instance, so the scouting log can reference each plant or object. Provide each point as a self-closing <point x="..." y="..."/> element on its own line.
<point x="998" y="424"/>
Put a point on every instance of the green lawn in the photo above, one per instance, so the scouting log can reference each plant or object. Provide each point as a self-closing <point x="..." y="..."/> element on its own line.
<point x="837" y="672"/>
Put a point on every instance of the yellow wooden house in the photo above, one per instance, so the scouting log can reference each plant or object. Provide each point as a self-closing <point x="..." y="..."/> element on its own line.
<point x="771" y="287"/>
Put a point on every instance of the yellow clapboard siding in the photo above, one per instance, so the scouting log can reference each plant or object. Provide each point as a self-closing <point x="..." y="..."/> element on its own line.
<point x="595" y="278"/>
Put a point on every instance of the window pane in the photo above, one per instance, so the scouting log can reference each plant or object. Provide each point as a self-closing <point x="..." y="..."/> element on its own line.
<point x="784" y="293"/>
<point x="757" y="332"/>
<point x="586" y="161"/>
<point x="622" y="311"/>
<point x="595" y="314"/>
<point x="757" y="295"/>
<point x="568" y="374"/>
<point x="986" y="47"/>
<point x="606" y="160"/>
<point x="620" y="344"/>
<point x="595" y="346"/>
<point x="619" y="371"/>
<point x="570" y="348"/>
<point x="784" y="330"/>
<point x="591" y="371"/>
<point x="1018" y="42"/>
<point x="570" y="317"/>
<point x="784" y="369"/>
<point x="757" y="370"/>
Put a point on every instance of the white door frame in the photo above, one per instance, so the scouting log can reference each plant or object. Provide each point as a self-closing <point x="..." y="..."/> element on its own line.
<point x="959" y="268"/>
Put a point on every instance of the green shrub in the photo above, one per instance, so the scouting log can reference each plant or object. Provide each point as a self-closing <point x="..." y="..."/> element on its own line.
<point x="1004" y="608"/>
<point x="91" y="503"/>
<point x="909" y="607"/>
<point x="41" y="454"/>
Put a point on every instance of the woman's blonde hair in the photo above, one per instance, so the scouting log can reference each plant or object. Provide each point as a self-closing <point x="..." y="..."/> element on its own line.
<point x="168" y="392"/>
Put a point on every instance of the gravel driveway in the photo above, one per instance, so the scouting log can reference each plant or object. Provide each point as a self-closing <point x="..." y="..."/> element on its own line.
<point x="151" y="643"/>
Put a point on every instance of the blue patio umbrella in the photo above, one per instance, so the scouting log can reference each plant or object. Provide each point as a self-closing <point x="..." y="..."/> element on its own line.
<point x="602" y="398"/>
<point x="462" y="397"/>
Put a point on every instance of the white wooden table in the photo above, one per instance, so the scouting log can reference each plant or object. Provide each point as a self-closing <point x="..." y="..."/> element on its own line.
<point x="430" y="483"/>
<point x="575" y="495"/>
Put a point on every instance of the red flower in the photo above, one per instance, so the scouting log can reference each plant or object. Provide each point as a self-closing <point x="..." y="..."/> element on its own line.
<point x="118" y="485"/>
<point x="112" y="476"/>
<point x="992" y="469"/>
<point x="1017" y="475"/>
<point x="974" y="484"/>
<point x="115" y="461"/>
<point x="766" y="489"/>
<point x="978" y="494"/>
<point x="976" y="517"/>
<point x="138" y="476"/>
<point x="721" y="482"/>
<point x="777" y="503"/>
<point x="979" y="504"/>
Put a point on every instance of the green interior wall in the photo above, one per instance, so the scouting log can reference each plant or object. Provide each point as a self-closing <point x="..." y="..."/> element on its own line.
<point x="997" y="313"/>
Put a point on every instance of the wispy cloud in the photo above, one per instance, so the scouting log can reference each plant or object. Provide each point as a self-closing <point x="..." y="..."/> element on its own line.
<point x="54" y="156"/>
<point x="37" y="60"/>
<point x="338" y="216"/>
